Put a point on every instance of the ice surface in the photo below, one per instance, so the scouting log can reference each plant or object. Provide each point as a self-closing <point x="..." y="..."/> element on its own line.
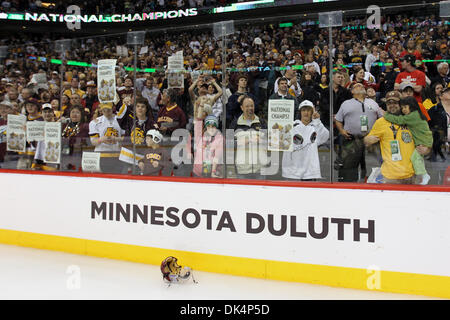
<point x="27" y="273"/>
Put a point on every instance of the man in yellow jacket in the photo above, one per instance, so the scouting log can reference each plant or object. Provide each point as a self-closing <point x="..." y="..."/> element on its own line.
<point x="396" y="144"/>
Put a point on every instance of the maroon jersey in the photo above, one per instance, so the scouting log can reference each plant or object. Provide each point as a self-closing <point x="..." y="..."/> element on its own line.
<point x="172" y="118"/>
<point x="126" y="121"/>
<point x="74" y="135"/>
<point x="156" y="162"/>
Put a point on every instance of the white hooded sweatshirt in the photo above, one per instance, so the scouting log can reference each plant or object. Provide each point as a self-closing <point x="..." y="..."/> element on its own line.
<point x="303" y="162"/>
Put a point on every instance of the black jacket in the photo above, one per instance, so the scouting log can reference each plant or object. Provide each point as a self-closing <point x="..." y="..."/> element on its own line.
<point x="339" y="97"/>
<point x="438" y="117"/>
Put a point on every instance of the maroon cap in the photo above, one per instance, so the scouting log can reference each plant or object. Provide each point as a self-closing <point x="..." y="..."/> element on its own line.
<point x="34" y="101"/>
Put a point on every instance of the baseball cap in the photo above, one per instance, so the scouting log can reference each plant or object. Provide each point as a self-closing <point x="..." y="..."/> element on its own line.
<point x="405" y="85"/>
<point x="393" y="95"/>
<point x="306" y="103"/>
<point x="106" y="105"/>
<point x="33" y="101"/>
<point x="46" y="106"/>
<point x="409" y="58"/>
<point x="90" y="84"/>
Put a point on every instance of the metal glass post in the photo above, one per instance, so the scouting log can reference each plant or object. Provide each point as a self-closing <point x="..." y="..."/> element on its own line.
<point x="135" y="38"/>
<point x="61" y="79"/>
<point x="221" y="30"/>
<point x="330" y="20"/>
<point x="61" y="46"/>
<point x="134" y="108"/>
<point x="330" y="58"/>
<point x="224" y="109"/>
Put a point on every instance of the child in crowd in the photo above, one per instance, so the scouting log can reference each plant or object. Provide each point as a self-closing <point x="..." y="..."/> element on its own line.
<point x="421" y="133"/>
<point x="156" y="160"/>
<point x="209" y="148"/>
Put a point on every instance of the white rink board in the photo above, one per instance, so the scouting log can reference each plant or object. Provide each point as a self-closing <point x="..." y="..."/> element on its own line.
<point x="410" y="228"/>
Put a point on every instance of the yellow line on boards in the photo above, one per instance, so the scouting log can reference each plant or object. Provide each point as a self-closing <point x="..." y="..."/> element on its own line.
<point x="355" y="278"/>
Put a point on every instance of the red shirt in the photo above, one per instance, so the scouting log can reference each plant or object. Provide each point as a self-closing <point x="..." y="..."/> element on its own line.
<point x="416" y="77"/>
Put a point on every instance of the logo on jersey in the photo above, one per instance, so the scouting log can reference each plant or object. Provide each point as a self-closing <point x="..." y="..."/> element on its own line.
<point x="137" y="136"/>
<point x="111" y="132"/>
<point x="153" y="156"/>
<point x="406" y="137"/>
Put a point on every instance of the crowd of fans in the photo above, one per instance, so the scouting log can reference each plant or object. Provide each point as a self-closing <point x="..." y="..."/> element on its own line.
<point x="374" y="71"/>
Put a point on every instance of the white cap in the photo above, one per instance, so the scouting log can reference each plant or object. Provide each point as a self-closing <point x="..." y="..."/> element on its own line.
<point x="257" y="41"/>
<point x="405" y="85"/>
<point x="306" y="103"/>
<point x="46" y="106"/>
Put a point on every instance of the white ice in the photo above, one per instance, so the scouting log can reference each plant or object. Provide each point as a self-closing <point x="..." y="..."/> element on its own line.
<point x="29" y="274"/>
